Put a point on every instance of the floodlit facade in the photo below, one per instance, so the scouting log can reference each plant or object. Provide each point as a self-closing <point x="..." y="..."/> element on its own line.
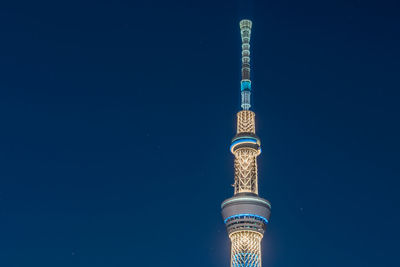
<point x="246" y="214"/>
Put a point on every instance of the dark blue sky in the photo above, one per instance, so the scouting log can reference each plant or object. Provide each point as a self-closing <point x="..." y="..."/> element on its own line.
<point x="116" y="118"/>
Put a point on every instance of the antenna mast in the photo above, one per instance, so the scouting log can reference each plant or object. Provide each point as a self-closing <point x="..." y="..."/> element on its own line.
<point x="245" y="84"/>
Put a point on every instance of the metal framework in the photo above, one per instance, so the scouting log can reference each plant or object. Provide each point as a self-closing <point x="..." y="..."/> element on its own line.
<point x="246" y="171"/>
<point x="246" y="249"/>
<point x="245" y="156"/>
<point x="246" y="122"/>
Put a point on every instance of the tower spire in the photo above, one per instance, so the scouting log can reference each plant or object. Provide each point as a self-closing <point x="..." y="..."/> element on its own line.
<point x="246" y="214"/>
<point x="245" y="84"/>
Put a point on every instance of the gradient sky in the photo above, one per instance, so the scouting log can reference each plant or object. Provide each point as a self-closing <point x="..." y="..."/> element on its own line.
<point x="116" y="119"/>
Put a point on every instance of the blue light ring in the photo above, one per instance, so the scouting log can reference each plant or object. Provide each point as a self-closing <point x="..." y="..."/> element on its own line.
<point x="239" y="142"/>
<point x="244" y="141"/>
<point x="246" y="136"/>
<point x="248" y="215"/>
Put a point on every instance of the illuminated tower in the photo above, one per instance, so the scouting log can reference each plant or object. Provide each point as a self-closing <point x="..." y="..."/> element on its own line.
<point x="246" y="214"/>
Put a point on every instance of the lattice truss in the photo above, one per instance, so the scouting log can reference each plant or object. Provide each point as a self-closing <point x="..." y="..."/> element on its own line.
<point x="246" y="249"/>
<point x="246" y="170"/>
<point x="246" y="122"/>
<point x="246" y="158"/>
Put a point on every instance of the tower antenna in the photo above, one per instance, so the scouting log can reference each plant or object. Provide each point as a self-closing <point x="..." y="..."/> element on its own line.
<point x="245" y="84"/>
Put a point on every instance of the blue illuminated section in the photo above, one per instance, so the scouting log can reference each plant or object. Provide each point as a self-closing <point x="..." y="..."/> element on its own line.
<point x="247" y="215"/>
<point x="243" y="140"/>
<point x="245" y="85"/>
<point x="243" y="259"/>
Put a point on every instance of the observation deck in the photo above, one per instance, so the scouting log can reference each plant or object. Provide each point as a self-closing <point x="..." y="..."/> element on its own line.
<point x="246" y="211"/>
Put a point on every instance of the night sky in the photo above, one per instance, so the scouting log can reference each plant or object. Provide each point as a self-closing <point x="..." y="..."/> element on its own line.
<point x="116" y="119"/>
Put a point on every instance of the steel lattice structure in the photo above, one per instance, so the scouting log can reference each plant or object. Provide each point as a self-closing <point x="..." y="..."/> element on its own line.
<point x="246" y="214"/>
<point x="246" y="249"/>
<point x="246" y="171"/>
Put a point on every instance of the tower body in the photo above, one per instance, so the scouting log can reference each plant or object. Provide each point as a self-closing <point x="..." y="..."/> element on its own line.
<point x="246" y="214"/>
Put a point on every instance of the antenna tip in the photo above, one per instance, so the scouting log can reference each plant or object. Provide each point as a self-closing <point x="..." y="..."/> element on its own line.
<point x="245" y="23"/>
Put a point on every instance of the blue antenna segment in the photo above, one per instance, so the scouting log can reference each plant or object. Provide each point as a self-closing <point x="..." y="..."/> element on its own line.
<point x="245" y="85"/>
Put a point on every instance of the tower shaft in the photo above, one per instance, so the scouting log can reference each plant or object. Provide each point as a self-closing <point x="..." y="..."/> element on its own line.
<point x="246" y="214"/>
<point x="246" y="249"/>
<point x="246" y="154"/>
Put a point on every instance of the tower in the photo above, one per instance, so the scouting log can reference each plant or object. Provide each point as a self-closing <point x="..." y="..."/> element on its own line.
<point x="246" y="214"/>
